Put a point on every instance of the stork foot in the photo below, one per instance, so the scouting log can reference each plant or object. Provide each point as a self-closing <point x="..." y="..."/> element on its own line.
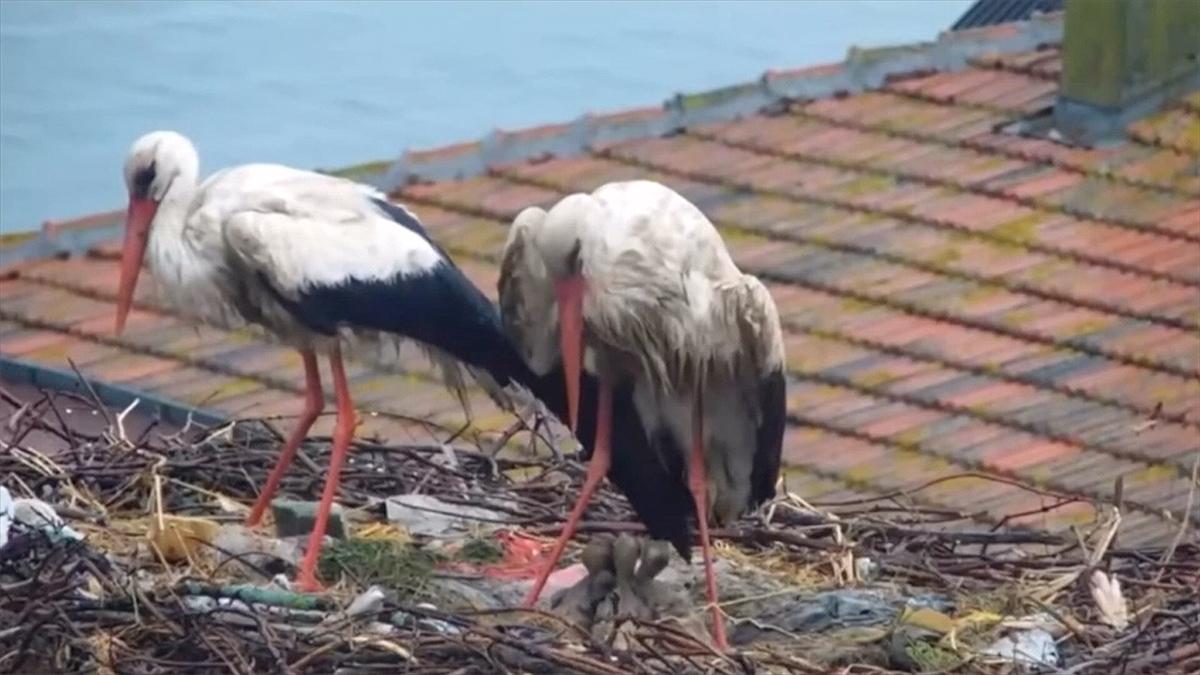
<point x="308" y="583"/>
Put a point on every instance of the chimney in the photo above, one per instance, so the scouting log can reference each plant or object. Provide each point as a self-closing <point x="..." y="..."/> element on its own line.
<point x="1122" y="60"/>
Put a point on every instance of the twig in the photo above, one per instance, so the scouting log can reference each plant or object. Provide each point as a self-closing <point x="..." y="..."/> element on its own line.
<point x="99" y="405"/>
<point x="121" y="421"/>
<point x="1184" y="522"/>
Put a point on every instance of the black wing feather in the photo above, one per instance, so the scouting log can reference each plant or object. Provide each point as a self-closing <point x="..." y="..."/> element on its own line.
<point x="439" y="307"/>
<point x="772" y="396"/>
<point x="404" y="218"/>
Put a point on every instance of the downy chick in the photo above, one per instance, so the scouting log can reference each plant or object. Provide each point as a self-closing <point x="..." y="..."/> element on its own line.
<point x="577" y="604"/>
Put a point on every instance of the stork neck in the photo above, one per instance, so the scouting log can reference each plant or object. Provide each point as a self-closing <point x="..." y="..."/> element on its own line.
<point x="168" y="250"/>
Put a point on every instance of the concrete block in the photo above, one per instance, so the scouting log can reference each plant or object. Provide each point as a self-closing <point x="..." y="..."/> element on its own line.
<point x="294" y="518"/>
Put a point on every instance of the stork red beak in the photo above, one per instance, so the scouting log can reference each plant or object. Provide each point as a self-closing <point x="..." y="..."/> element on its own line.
<point x="137" y="233"/>
<point x="569" y="293"/>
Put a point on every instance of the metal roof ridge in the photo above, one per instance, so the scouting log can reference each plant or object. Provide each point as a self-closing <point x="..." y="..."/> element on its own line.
<point x="43" y="376"/>
<point x="862" y="69"/>
<point x="56" y="237"/>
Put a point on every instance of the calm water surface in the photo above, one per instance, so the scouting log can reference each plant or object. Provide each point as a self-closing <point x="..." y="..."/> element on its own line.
<point x="321" y="84"/>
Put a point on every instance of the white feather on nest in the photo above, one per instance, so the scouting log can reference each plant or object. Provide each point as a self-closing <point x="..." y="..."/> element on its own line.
<point x="1106" y="591"/>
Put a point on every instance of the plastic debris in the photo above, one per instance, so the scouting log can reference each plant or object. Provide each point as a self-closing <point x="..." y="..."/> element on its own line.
<point x="936" y="601"/>
<point x="839" y="608"/>
<point x="404" y="619"/>
<point x="6" y="515"/>
<point x="367" y="602"/>
<point x="262" y="595"/>
<point x="181" y="538"/>
<point x="1034" y="647"/>
<point x="455" y="586"/>
<point x="928" y="620"/>
<point x="244" y="545"/>
<point x="427" y="515"/>
<point x="1041" y="620"/>
<point x="33" y="514"/>
<point x="865" y="569"/>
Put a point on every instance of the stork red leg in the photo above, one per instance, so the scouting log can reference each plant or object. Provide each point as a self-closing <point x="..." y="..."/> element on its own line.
<point x="597" y="469"/>
<point x="343" y="431"/>
<point x="314" y="404"/>
<point x="698" y="484"/>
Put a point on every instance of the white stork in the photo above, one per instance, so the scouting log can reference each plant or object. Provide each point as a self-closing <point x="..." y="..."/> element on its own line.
<point x="317" y="261"/>
<point x="641" y="278"/>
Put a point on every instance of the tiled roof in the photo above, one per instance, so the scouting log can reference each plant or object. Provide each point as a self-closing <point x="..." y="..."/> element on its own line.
<point x="956" y="300"/>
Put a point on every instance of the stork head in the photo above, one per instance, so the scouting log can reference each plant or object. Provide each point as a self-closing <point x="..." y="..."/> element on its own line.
<point x="156" y="162"/>
<point x="560" y="238"/>
<point x="532" y="320"/>
<point x="560" y="242"/>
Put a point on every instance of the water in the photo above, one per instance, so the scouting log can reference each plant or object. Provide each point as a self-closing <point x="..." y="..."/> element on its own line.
<point x="318" y="84"/>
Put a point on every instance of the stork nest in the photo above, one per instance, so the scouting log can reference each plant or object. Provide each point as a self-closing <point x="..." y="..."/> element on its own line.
<point x="101" y="605"/>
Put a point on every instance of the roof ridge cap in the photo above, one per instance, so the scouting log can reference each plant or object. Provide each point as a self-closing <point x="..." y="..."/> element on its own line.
<point x="862" y="69"/>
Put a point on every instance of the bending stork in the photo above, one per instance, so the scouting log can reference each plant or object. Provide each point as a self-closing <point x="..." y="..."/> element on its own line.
<point x="642" y="279"/>
<point x="317" y="261"/>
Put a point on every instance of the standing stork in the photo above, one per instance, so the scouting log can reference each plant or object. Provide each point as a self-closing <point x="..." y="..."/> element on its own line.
<point x="641" y="278"/>
<point x="317" y="261"/>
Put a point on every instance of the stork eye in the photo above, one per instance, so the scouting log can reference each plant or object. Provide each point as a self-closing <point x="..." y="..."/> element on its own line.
<point x="142" y="180"/>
